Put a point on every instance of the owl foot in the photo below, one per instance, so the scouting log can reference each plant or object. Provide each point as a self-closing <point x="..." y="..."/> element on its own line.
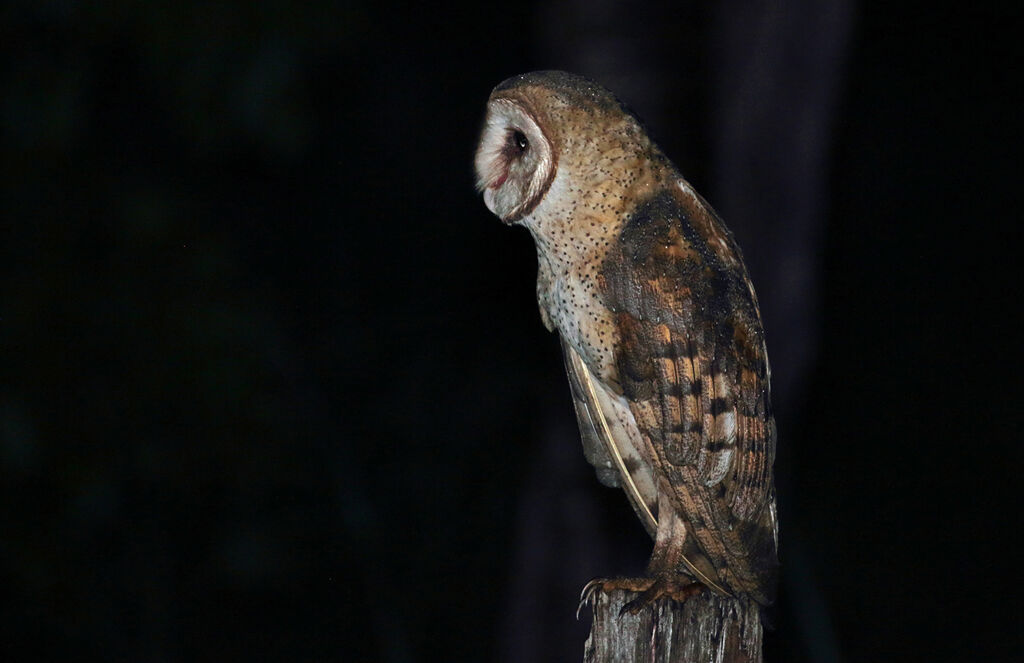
<point x="676" y="588"/>
<point x="650" y="589"/>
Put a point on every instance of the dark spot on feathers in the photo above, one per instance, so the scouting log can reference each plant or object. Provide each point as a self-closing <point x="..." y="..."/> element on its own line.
<point x="719" y="405"/>
<point x="687" y="427"/>
<point x="717" y="445"/>
<point x="683" y="388"/>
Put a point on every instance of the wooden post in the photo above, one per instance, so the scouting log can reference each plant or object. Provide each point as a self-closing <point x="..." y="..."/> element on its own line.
<point x="706" y="628"/>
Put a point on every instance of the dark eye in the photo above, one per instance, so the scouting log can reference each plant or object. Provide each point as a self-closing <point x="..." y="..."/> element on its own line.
<point x="518" y="142"/>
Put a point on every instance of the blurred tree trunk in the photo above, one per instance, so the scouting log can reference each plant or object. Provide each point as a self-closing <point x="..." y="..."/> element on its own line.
<point x="707" y="628"/>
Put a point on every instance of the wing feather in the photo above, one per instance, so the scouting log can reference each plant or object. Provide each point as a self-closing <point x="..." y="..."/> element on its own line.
<point x="691" y="363"/>
<point x="606" y="446"/>
<point x="595" y="449"/>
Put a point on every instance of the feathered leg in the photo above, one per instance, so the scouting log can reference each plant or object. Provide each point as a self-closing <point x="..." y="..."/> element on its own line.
<point x="667" y="574"/>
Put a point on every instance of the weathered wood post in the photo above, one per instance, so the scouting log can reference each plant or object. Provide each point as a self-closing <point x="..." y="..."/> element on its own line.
<point x="706" y="628"/>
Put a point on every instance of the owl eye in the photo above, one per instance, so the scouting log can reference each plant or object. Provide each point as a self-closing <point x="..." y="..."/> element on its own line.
<point x="518" y="142"/>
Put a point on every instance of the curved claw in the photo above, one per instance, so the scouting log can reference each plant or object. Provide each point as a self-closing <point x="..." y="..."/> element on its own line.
<point x="633" y="607"/>
<point x="649" y="590"/>
<point x="587" y="595"/>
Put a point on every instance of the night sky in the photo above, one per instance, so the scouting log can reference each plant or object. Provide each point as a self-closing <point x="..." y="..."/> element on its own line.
<point x="273" y="382"/>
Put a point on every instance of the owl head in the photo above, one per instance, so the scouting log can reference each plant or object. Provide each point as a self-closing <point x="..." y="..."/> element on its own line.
<point x="546" y="124"/>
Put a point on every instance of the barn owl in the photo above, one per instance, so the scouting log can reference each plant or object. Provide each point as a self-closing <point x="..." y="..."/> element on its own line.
<point x="659" y="325"/>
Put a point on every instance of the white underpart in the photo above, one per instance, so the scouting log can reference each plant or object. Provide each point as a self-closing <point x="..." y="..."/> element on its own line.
<point x="561" y="290"/>
<point x="627" y="437"/>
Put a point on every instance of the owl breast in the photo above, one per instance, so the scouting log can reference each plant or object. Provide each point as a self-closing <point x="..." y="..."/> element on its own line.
<point x="573" y="229"/>
<point x="570" y="301"/>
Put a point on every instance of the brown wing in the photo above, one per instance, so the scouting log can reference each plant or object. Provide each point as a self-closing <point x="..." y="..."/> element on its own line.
<point x="692" y="364"/>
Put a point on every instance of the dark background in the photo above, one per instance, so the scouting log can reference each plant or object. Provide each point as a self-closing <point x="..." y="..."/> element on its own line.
<point x="273" y="384"/>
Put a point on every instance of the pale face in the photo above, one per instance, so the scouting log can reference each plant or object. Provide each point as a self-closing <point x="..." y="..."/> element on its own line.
<point x="514" y="161"/>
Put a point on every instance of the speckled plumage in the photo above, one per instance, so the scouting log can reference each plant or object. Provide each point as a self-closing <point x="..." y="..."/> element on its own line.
<point x="659" y="324"/>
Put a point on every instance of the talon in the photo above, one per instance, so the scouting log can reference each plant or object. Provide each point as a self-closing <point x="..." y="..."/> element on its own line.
<point x="589" y="588"/>
<point x="587" y="594"/>
<point x="662" y="588"/>
<point x="633" y="607"/>
<point x="649" y="590"/>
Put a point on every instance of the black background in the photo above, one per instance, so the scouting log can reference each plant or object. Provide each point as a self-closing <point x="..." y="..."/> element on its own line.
<point x="274" y="385"/>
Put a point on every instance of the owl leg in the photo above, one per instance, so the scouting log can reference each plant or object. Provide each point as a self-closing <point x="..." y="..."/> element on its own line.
<point x="667" y="556"/>
<point x="666" y="575"/>
<point x="666" y="569"/>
